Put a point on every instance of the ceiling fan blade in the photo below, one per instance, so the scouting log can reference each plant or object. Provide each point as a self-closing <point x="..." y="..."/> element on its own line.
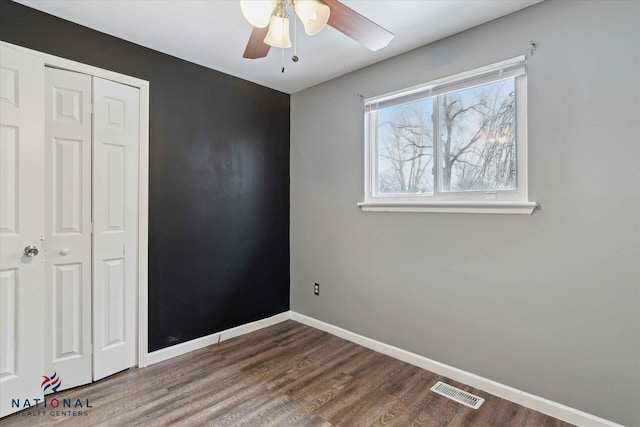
<point x="256" y="47"/>
<point x="356" y="26"/>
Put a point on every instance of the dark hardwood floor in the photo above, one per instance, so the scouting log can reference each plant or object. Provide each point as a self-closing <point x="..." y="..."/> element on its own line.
<point x="285" y="375"/>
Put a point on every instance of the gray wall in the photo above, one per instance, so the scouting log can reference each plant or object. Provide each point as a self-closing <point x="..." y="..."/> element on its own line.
<point x="548" y="303"/>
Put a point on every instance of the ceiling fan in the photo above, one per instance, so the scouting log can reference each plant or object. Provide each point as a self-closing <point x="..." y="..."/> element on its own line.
<point x="271" y="24"/>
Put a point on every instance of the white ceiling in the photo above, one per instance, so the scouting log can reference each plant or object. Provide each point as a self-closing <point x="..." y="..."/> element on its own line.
<point x="214" y="33"/>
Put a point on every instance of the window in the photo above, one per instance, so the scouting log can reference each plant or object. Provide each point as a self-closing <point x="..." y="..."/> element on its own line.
<point x="454" y="144"/>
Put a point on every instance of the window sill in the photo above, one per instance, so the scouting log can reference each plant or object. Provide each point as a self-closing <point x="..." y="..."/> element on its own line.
<point x="502" y="208"/>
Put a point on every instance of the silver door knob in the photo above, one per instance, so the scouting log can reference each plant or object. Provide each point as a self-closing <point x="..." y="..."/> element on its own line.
<point x="31" y="251"/>
<point x="64" y="251"/>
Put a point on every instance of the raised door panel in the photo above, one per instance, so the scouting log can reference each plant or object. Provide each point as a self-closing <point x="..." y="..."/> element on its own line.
<point x="21" y="225"/>
<point x="67" y="312"/>
<point x="114" y="303"/>
<point x="67" y="198"/>
<point x="9" y="86"/>
<point x="115" y="200"/>
<point x="114" y="180"/>
<point x="8" y="332"/>
<point x="9" y="178"/>
<point x="68" y="227"/>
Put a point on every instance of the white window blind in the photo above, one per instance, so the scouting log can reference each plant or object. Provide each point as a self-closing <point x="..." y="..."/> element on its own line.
<point x="501" y="71"/>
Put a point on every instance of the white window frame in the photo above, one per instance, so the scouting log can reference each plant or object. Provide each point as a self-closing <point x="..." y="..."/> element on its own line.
<point x="494" y="201"/>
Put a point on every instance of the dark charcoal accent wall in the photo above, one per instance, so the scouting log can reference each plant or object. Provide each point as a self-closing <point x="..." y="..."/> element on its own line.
<point x="219" y="180"/>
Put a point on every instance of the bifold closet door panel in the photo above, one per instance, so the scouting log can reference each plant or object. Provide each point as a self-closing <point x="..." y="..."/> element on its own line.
<point x="21" y="228"/>
<point x="115" y="218"/>
<point x="68" y="298"/>
<point x="67" y="227"/>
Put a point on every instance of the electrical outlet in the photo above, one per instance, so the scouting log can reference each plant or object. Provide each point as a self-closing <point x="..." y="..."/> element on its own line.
<point x="316" y="288"/>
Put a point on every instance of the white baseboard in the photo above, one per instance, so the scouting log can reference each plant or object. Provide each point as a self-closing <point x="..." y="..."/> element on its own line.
<point x="186" y="347"/>
<point x="537" y="403"/>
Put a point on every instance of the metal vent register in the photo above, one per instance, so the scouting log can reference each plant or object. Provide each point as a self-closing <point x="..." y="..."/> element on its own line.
<point x="457" y="395"/>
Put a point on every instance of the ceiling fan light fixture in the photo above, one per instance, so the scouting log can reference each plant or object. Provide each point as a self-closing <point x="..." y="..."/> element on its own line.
<point x="313" y="14"/>
<point x="278" y="34"/>
<point x="258" y="12"/>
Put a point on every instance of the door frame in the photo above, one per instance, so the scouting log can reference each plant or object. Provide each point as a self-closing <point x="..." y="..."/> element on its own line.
<point x="143" y="179"/>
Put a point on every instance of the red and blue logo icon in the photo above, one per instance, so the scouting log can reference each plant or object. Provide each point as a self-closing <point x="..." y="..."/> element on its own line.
<point x="52" y="383"/>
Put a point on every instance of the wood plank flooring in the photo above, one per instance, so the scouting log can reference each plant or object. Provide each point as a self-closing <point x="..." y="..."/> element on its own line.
<point x="288" y="374"/>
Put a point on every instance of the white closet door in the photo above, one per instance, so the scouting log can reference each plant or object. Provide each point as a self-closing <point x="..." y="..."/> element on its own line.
<point x="115" y="217"/>
<point x="68" y="227"/>
<point x="21" y="225"/>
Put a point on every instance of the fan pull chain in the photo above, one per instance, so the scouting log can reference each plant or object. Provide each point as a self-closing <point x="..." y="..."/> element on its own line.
<point x="282" y="58"/>
<point x="294" y="58"/>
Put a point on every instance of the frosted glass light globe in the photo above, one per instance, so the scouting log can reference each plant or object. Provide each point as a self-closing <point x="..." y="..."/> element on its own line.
<point x="313" y="14"/>
<point x="278" y="34"/>
<point x="257" y="12"/>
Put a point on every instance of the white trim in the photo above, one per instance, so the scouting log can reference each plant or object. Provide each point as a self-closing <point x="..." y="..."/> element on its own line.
<point x="79" y="67"/>
<point x="507" y="207"/>
<point x="143" y="181"/>
<point x="198" y="343"/>
<point x="143" y="230"/>
<point x="537" y="403"/>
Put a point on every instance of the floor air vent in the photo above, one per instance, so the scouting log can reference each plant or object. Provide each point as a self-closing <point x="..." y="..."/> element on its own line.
<point x="458" y="395"/>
